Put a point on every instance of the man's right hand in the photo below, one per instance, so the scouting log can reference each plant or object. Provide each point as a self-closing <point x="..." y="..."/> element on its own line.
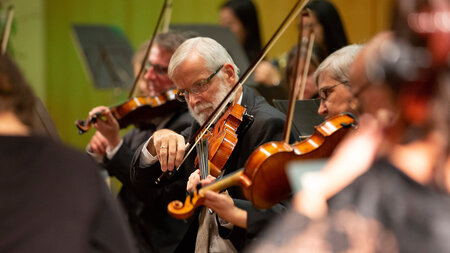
<point x="108" y="127"/>
<point x="169" y="147"/>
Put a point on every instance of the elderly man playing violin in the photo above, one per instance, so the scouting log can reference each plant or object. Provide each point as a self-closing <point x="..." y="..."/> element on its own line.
<point x="116" y="153"/>
<point x="204" y="73"/>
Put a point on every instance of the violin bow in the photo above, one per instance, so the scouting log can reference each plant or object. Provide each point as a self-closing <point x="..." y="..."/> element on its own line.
<point x="297" y="82"/>
<point x="166" y="6"/>
<point x="167" y="16"/>
<point x="293" y="13"/>
<point x="7" y="29"/>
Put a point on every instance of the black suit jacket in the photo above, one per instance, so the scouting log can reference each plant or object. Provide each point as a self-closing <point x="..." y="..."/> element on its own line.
<point x="142" y="224"/>
<point x="267" y="126"/>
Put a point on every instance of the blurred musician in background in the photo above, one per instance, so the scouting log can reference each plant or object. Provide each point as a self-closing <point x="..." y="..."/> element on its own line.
<point x="116" y="153"/>
<point x="241" y="17"/>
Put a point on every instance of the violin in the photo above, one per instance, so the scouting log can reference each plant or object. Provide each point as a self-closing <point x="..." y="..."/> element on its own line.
<point x="224" y="137"/>
<point x="263" y="178"/>
<point x="135" y="110"/>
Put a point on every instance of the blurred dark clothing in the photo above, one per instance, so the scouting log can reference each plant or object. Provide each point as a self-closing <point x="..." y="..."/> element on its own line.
<point x="381" y="211"/>
<point x="145" y="227"/>
<point x="417" y="215"/>
<point x="53" y="199"/>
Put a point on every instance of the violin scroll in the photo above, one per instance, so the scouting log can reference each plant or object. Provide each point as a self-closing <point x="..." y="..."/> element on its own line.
<point x="179" y="210"/>
<point x="196" y="198"/>
<point x="84" y="125"/>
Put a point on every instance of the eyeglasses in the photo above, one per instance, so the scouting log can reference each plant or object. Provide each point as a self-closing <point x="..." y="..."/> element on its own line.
<point x="325" y="91"/>
<point x="197" y="88"/>
<point x="159" y="70"/>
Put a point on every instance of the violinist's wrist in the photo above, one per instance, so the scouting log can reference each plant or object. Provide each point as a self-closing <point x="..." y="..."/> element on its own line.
<point x="151" y="147"/>
<point x="111" y="152"/>
<point x="146" y="159"/>
<point x="240" y="218"/>
<point x="236" y="216"/>
<point x="114" y="142"/>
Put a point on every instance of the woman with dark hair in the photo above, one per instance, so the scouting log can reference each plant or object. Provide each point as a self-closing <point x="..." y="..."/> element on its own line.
<point x="326" y="23"/>
<point x="241" y="18"/>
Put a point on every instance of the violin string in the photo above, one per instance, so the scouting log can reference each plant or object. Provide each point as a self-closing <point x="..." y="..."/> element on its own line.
<point x="204" y="144"/>
<point x="202" y="151"/>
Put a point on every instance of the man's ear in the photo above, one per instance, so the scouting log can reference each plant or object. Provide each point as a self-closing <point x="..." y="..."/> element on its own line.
<point x="229" y="73"/>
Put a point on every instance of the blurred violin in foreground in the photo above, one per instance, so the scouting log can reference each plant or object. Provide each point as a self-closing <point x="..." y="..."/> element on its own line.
<point x="136" y="110"/>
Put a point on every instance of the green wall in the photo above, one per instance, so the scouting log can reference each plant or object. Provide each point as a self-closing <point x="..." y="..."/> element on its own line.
<point x="27" y="42"/>
<point x="45" y="51"/>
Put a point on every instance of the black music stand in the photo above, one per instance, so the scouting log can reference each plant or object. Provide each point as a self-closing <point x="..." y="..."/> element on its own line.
<point x="305" y="115"/>
<point x="106" y="54"/>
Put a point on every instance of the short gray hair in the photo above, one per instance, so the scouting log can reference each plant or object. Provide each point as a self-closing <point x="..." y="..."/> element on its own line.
<point x="338" y="64"/>
<point x="208" y="49"/>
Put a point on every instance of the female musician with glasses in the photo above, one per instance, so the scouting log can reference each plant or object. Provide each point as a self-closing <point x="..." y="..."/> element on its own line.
<point x="333" y="85"/>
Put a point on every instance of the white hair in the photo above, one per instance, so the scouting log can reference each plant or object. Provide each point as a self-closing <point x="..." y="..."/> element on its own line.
<point x="208" y="49"/>
<point x="338" y="64"/>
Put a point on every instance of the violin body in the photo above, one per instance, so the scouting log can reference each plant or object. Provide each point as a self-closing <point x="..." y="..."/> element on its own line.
<point x="263" y="178"/>
<point x="224" y="137"/>
<point x="266" y="165"/>
<point x="137" y="109"/>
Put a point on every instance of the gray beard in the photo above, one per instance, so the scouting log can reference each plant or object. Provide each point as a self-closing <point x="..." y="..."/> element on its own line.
<point x="217" y="98"/>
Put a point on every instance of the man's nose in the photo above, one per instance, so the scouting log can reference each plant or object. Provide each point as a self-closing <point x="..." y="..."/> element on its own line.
<point x="149" y="74"/>
<point x="193" y="99"/>
<point x="323" y="111"/>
